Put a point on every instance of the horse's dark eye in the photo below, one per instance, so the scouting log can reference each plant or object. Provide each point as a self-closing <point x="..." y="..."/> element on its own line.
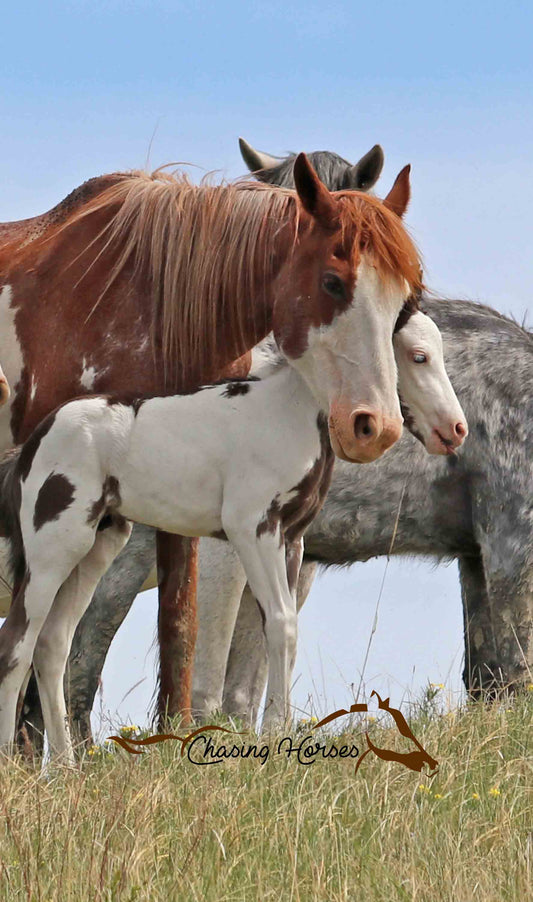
<point x="334" y="286"/>
<point x="419" y="358"/>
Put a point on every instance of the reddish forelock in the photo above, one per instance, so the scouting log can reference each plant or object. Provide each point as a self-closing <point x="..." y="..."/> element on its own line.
<point x="365" y="226"/>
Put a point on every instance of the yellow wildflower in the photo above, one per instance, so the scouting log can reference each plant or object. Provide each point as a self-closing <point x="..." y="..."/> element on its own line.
<point x="530" y="687"/>
<point x="437" y="795"/>
<point x="494" y="791"/>
<point x="437" y="685"/>
<point x="313" y="720"/>
<point x="425" y="789"/>
<point x="475" y="795"/>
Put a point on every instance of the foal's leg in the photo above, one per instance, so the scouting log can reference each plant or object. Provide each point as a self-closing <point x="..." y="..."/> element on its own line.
<point x="247" y="667"/>
<point x="221" y="580"/>
<point x="263" y="559"/>
<point x="53" y="645"/>
<point x="111" y="601"/>
<point x="45" y="574"/>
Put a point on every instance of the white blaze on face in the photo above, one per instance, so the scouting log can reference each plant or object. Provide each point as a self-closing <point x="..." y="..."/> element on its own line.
<point x="350" y="368"/>
<point x="11" y="361"/>
<point x="425" y="388"/>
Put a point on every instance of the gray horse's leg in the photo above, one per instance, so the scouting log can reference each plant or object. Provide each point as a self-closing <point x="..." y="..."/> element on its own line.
<point x="497" y="590"/>
<point x="247" y="668"/>
<point x="112" y="600"/>
<point x="478" y="627"/>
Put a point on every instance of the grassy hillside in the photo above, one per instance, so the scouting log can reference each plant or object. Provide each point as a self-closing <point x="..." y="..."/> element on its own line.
<point x="154" y="827"/>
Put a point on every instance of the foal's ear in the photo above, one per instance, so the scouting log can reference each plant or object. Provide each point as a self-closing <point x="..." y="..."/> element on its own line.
<point x="400" y="193"/>
<point x="313" y="194"/>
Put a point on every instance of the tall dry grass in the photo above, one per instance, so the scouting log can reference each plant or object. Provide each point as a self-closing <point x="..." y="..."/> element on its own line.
<point x="157" y="827"/>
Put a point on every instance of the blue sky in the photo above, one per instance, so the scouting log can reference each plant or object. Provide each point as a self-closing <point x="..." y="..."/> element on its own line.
<point x="90" y="87"/>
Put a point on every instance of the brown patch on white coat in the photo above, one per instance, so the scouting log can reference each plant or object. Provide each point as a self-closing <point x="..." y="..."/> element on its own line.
<point x="307" y="497"/>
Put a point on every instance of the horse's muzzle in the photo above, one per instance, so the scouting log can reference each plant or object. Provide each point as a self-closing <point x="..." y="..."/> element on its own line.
<point x="361" y="435"/>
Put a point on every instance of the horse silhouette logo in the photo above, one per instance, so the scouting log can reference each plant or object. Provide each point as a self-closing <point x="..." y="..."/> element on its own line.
<point x="413" y="760"/>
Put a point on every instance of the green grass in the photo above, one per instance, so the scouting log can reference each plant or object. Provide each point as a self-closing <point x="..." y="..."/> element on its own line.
<point x="155" y="827"/>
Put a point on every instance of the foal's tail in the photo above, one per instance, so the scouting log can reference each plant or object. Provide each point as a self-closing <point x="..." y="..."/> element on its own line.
<point x="10" y="513"/>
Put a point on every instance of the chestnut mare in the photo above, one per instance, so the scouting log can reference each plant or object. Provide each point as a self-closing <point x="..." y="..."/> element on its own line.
<point x="145" y="284"/>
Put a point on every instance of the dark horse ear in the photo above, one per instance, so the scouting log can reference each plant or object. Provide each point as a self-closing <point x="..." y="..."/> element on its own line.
<point x="366" y="172"/>
<point x="398" y="196"/>
<point x="256" y="159"/>
<point x="313" y="194"/>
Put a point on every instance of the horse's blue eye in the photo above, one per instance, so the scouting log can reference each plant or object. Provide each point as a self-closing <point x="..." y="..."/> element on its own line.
<point x="419" y="358"/>
<point x="334" y="285"/>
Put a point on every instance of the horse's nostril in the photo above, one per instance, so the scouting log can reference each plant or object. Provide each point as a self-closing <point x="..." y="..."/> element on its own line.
<point x="364" y="426"/>
<point x="460" y="430"/>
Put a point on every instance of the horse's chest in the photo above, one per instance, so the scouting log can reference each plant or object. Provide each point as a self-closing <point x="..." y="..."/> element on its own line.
<point x="297" y="513"/>
<point x="293" y="513"/>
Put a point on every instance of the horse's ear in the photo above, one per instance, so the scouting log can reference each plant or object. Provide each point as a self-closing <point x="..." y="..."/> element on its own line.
<point x="255" y="159"/>
<point x="313" y="194"/>
<point x="400" y="193"/>
<point x="364" y="175"/>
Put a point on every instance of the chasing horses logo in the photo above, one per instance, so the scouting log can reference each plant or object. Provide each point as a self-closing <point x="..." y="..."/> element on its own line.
<point x="201" y="748"/>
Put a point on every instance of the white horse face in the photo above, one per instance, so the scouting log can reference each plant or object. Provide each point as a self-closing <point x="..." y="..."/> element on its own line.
<point x="430" y="405"/>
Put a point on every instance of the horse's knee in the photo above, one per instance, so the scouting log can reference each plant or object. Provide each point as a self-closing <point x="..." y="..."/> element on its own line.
<point x="237" y="703"/>
<point x="47" y="658"/>
<point x="281" y="631"/>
